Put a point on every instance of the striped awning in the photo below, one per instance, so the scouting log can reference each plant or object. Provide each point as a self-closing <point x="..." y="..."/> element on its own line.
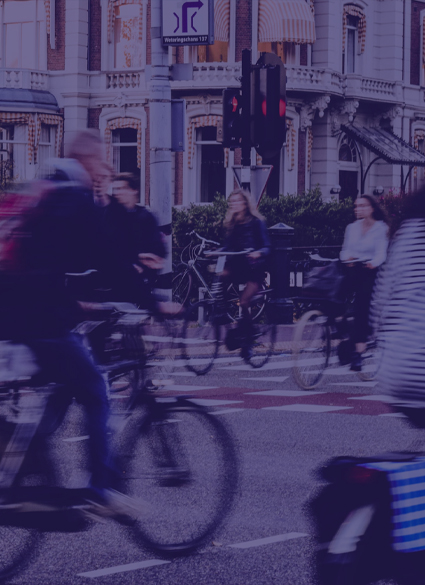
<point x="221" y="20"/>
<point x="290" y="21"/>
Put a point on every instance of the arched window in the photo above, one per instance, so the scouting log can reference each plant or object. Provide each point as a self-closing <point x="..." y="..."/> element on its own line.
<point x="347" y="150"/>
<point x="353" y="37"/>
<point x="348" y="177"/>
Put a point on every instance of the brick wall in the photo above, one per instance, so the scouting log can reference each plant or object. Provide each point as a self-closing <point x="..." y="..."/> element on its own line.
<point x="93" y="117"/>
<point x="301" y="161"/>
<point x="95" y="36"/>
<point x="147" y="159"/>
<point x="56" y="57"/>
<point x="148" y="34"/>
<point x="415" y="42"/>
<point x="243" y="27"/>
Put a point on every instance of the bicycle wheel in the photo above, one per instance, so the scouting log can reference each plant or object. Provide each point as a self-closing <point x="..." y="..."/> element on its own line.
<point x="264" y="337"/>
<point x="183" y="464"/>
<point x="311" y="349"/>
<point x="371" y="361"/>
<point x="200" y="337"/>
<point x="19" y="540"/>
<point x="234" y="311"/>
<point x="181" y="286"/>
<point x="160" y="336"/>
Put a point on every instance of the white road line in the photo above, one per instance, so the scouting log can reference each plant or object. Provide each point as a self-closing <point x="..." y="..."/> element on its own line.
<point x="228" y="410"/>
<point x="360" y="384"/>
<point x="268" y="540"/>
<point x="308" y="408"/>
<point x="123" y="568"/>
<point x="268" y="379"/>
<point x="212" y="402"/>
<point x="185" y="388"/>
<point x="289" y="393"/>
<point x="76" y="439"/>
<point x="377" y="397"/>
<point x="282" y="365"/>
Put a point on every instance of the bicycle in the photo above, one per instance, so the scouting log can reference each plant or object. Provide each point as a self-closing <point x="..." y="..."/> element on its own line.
<point x="319" y="334"/>
<point x="157" y="439"/>
<point x="188" y="273"/>
<point x="203" y="323"/>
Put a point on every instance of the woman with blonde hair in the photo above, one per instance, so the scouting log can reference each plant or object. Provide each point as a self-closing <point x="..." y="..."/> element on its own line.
<point x="245" y="230"/>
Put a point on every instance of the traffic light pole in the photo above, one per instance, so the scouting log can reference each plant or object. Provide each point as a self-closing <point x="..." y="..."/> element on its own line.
<point x="246" y="120"/>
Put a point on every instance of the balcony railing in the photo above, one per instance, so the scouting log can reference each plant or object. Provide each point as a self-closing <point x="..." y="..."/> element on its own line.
<point x="119" y="80"/>
<point x="24" y="79"/>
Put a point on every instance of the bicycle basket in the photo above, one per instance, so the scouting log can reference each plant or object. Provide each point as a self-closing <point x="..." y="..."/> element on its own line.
<point x="325" y="282"/>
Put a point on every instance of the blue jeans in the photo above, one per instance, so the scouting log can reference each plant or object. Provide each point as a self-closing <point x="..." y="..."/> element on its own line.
<point x="65" y="360"/>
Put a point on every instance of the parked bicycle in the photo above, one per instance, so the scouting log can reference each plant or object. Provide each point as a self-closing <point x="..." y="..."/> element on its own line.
<point x="191" y="277"/>
<point x="173" y="457"/>
<point x="211" y="324"/>
<point x="324" y="332"/>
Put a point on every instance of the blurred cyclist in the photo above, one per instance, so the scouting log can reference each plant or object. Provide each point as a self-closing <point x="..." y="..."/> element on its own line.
<point x="37" y="308"/>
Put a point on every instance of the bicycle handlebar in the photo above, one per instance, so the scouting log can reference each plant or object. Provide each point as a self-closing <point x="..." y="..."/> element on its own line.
<point x="221" y="253"/>
<point x="193" y="233"/>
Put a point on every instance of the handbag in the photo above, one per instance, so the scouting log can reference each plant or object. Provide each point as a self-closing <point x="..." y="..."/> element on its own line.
<point x="325" y="282"/>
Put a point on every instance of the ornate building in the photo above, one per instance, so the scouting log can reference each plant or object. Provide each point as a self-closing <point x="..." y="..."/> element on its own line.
<point x="69" y="64"/>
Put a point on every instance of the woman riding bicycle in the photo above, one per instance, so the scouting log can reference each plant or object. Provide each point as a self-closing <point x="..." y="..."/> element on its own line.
<point x="245" y="230"/>
<point x="364" y="250"/>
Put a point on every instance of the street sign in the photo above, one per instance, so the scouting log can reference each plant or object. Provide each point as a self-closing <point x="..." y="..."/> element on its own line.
<point x="187" y="22"/>
<point x="258" y="179"/>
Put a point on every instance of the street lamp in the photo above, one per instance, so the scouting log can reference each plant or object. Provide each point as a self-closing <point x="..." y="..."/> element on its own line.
<point x="378" y="190"/>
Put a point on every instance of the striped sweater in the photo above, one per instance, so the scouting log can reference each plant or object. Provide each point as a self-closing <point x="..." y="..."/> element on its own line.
<point x="398" y="313"/>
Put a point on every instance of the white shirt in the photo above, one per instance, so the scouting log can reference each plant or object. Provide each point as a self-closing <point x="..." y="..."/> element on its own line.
<point x="365" y="247"/>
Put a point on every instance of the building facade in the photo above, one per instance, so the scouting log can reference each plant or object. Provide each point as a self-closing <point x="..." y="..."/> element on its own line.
<point x="66" y="65"/>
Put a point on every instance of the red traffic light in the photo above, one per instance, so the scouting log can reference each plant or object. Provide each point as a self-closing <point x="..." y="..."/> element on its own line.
<point x="282" y="107"/>
<point x="235" y="104"/>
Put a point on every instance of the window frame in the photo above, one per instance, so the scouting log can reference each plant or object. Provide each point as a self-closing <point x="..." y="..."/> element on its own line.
<point x="110" y="53"/>
<point x="354" y="29"/>
<point x="199" y="143"/>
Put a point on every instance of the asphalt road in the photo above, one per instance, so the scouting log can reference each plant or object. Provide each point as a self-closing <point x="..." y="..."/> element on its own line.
<point x="282" y="434"/>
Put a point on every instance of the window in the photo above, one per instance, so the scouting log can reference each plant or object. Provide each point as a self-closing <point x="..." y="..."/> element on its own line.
<point x="348" y="177"/>
<point x="347" y="151"/>
<point x="289" y="53"/>
<point x="211" y="170"/>
<point x="127" y="43"/>
<point x="124" y="150"/>
<point x="24" y="35"/>
<point x="13" y="152"/>
<point x="351" y="44"/>
<point x="46" y="146"/>
<point x="217" y="52"/>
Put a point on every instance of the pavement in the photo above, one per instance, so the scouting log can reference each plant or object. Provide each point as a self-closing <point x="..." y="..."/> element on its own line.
<point x="282" y="434"/>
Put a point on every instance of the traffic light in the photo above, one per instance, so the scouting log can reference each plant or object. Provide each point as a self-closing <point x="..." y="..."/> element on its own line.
<point x="232" y="103"/>
<point x="268" y="109"/>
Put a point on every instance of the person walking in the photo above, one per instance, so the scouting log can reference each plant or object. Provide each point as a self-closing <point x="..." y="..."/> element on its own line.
<point x="364" y="250"/>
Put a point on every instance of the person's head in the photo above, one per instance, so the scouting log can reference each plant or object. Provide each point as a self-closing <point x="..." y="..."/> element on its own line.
<point x="126" y="190"/>
<point x="240" y="208"/>
<point x="101" y="184"/>
<point x="366" y="206"/>
<point x="88" y="149"/>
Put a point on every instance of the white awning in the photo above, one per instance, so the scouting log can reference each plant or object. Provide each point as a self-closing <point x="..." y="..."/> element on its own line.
<point x="221" y="20"/>
<point x="290" y="21"/>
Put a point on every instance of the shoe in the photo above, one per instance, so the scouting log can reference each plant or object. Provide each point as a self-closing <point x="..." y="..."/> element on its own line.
<point x="356" y="362"/>
<point x="247" y="353"/>
<point x="113" y="504"/>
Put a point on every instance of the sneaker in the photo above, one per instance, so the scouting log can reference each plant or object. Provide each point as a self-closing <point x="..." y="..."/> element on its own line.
<point x="114" y="504"/>
<point x="356" y="362"/>
<point x="246" y="353"/>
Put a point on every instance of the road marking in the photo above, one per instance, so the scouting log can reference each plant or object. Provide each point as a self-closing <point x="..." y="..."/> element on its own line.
<point x="213" y="402"/>
<point x="268" y="540"/>
<point x="185" y="388"/>
<point x="282" y="365"/>
<point x="228" y="410"/>
<point x="268" y="379"/>
<point x="123" y="568"/>
<point x="377" y="397"/>
<point x="288" y="393"/>
<point x="370" y="384"/>
<point x="76" y="439"/>
<point x="308" y="408"/>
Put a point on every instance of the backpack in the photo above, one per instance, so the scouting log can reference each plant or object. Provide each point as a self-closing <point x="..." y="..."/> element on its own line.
<point x="16" y="210"/>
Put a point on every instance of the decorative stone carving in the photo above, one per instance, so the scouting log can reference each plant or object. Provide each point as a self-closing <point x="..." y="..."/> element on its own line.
<point x="350" y="107"/>
<point x="308" y="110"/>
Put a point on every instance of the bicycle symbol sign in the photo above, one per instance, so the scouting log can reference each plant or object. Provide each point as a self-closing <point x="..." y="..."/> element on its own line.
<point x="187" y="22"/>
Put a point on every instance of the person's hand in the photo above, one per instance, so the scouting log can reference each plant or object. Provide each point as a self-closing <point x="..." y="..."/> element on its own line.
<point x="254" y="255"/>
<point x="151" y="261"/>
